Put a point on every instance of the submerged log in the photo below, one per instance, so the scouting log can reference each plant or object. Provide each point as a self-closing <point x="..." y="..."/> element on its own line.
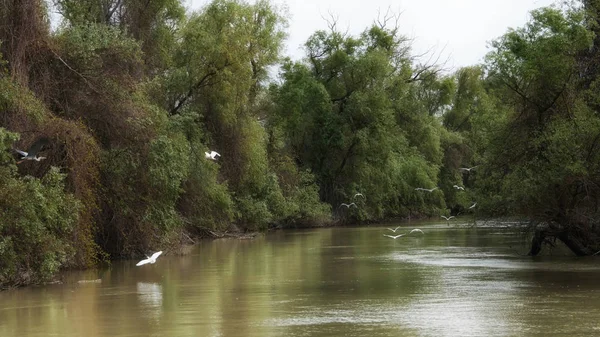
<point x="575" y="245"/>
<point x="538" y="239"/>
<point x="573" y="242"/>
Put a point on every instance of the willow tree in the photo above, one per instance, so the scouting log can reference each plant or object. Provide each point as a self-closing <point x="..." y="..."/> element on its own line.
<point x="543" y="161"/>
<point x="213" y="94"/>
<point x="350" y="115"/>
<point x="469" y="121"/>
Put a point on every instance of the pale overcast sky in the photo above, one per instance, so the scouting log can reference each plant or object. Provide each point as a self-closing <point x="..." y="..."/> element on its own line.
<point x="459" y="29"/>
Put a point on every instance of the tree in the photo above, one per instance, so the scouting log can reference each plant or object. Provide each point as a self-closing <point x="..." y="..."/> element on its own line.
<point x="543" y="163"/>
<point x="352" y="116"/>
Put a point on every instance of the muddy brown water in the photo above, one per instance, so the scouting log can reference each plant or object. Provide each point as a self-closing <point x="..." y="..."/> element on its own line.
<point x="451" y="281"/>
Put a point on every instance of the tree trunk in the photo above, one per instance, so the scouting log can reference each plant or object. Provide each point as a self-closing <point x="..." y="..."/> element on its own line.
<point x="578" y="247"/>
<point x="537" y="241"/>
<point x="575" y="245"/>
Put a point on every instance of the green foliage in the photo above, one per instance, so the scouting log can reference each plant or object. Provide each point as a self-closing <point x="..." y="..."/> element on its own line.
<point x="93" y="44"/>
<point x="537" y="134"/>
<point x="221" y="62"/>
<point x="15" y="100"/>
<point x="353" y="117"/>
<point x="78" y="12"/>
<point x="142" y="189"/>
<point x="38" y="219"/>
<point x="533" y="69"/>
<point x="152" y="23"/>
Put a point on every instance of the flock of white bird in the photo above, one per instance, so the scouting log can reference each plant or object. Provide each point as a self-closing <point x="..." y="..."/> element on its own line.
<point x="31" y="154"/>
<point x="464" y="169"/>
<point x="416" y="230"/>
<point x="352" y="203"/>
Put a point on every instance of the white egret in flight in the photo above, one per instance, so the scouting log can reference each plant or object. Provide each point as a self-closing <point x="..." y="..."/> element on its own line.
<point x="348" y="205"/>
<point x="211" y="155"/>
<point x="425" y="189"/>
<point x="358" y="195"/>
<point x="447" y="217"/>
<point x="394" y="236"/>
<point x="416" y="230"/>
<point x="395" y="229"/>
<point x="150" y="259"/>
<point x="467" y="169"/>
<point x="473" y="206"/>
<point x="458" y="187"/>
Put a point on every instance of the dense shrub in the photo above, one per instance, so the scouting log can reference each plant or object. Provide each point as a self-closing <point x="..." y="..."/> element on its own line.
<point x="37" y="220"/>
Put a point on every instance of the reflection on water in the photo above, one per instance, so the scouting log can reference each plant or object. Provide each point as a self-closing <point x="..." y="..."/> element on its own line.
<point x="324" y="282"/>
<point x="150" y="296"/>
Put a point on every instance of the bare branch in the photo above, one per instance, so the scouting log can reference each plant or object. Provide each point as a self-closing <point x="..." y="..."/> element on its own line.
<point x="75" y="71"/>
<point x="431" y="67"/>
<point x="331" y="21"/>
<point x="382" y="22"/>
<point x="204" y="81"/>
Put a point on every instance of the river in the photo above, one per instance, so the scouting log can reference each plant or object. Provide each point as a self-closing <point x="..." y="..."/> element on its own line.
<point x="452" y="281"/>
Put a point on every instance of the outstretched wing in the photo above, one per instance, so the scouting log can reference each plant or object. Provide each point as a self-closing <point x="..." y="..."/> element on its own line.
<point x="155" y="255"/>
<point x="37" y="146"/>
<point x="23" y="153"/>
<point x="143" y="262"/>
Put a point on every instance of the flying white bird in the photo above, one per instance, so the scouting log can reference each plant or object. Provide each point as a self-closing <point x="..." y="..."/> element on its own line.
<point x="416" y="230"/>
<point x="394" y="236"/>
<point x="447" y="217"/>
<point x="425" y="189"/>
<point x="467" y="169"/>
<point x="395" y="229"/>
<point x="348" y="205"/>
<point x="358" y="195"/>
<point x="211" y="155"/>
<point x="150" y="259"/>
<point x="33" y="150"/>
<point x="473" y="206"/>
<point x="458" y="187"/>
